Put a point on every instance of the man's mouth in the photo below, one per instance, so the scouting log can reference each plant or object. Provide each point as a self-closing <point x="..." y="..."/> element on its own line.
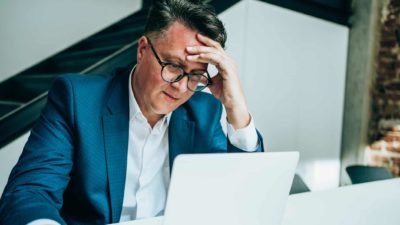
<point x="170" y="96"/>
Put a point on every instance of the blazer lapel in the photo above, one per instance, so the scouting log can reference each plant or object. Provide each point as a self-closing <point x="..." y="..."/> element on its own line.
<point x="116" y="131"/>
<point x="180" y="134"/>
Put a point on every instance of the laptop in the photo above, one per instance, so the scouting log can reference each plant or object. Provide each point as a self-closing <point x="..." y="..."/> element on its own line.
<point x="228" y="189"/>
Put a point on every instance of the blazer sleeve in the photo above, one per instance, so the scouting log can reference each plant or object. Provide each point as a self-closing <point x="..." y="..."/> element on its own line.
<point x="37" y="182"/>
<point x="221" y="143"/>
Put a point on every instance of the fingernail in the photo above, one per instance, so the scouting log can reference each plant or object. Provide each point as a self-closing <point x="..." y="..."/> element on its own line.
<point x="190" y="57"/>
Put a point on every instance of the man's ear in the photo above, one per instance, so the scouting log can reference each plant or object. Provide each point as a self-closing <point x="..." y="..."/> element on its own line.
<point x="142" y="45"/>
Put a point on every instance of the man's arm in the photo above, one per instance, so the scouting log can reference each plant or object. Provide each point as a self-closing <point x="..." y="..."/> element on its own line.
<point x="226" y="85"/>
<point x="246" y="139"/>
<point x="36" y="184"/>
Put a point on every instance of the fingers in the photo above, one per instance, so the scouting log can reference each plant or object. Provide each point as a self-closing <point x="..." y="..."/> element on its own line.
<point x="209" y="42"/>
<point x="206" y="54"/>
<point x="212" y="58"/>
<point x="199" y="49"/>
<point x="210" y="52"/>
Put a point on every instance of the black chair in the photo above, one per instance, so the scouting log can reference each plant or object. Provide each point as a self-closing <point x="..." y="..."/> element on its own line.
<point x="361" y="174"/>
<point x="298" y="185"/>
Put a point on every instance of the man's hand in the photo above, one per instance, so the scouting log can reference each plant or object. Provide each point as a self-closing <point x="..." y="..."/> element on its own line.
<point x="226" y="84"/>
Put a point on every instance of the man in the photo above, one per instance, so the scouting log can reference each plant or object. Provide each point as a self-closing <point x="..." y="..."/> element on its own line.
<point x="104" y="145"/>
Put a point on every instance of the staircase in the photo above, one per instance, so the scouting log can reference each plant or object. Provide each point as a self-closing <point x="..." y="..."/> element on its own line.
<point x="23" y="96"/>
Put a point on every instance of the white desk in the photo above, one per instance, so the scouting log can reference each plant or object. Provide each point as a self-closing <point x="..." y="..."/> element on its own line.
<point x="373" y="203"/>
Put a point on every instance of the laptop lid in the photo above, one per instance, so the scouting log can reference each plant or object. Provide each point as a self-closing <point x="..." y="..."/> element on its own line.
<point x="234" y="188"/>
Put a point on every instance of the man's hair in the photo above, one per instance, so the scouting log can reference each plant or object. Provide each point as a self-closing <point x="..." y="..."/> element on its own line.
<point x="194" y="14"/>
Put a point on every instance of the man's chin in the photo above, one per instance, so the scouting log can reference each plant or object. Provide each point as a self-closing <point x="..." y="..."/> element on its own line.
<point x="165" y="107"/>
<point x="166" y="110"/>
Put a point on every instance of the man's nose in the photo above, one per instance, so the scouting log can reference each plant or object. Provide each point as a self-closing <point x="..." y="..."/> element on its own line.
<point x="181" y="85"/>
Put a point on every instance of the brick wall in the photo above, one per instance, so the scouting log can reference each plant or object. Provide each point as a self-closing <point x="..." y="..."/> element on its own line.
<point x="384" y="131"/>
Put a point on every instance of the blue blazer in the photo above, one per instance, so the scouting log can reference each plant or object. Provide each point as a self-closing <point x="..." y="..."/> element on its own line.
<point x="73" y="166"/>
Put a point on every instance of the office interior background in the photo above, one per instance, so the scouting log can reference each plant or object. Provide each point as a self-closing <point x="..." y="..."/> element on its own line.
<point x="321" y="77"/>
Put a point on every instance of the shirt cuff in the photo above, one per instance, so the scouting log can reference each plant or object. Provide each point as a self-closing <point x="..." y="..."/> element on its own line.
<point x="244" y="138"/>
<point x="43" y="222"/>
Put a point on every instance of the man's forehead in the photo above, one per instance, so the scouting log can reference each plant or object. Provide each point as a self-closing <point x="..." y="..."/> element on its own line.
<point x="179" y="34"/>
<point x="173" y="42"/>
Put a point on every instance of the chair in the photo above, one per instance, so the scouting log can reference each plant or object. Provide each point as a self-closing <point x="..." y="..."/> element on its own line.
<point x="361" y="174"/>
<point x="298" y="185"/>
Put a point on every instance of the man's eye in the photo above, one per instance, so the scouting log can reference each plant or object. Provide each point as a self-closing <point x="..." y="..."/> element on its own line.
<point x="176" y="65"/>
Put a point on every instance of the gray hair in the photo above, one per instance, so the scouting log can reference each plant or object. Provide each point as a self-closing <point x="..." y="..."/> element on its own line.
<point x="194" y="14"/>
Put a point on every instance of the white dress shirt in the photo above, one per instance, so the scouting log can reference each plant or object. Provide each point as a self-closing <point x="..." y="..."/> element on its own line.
<point x="147" y="174"/>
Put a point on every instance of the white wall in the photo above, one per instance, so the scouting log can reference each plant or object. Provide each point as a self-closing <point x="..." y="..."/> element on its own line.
<point x="293" y="73"/>
<point x="31" y="31"/>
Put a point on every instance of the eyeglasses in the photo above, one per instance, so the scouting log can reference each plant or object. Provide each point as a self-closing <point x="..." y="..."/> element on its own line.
<point x="171" y="73"/>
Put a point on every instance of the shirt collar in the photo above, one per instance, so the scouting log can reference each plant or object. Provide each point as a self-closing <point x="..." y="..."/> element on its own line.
<point x="134" y="109"/>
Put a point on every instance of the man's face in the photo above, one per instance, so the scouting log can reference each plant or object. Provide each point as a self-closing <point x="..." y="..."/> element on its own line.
<point x="155" y="96"/>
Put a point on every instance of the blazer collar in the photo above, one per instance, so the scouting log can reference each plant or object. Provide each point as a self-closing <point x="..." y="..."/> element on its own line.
<point x="180" y="134"/>
<point x="116" y="130"/>
<point x="117" y="96"/>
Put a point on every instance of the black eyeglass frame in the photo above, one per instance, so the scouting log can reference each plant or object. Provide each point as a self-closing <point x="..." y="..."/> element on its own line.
<point x="180" y="77"/>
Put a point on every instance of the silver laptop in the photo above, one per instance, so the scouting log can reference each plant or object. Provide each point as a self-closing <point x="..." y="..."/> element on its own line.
<point x="230" y="189"/>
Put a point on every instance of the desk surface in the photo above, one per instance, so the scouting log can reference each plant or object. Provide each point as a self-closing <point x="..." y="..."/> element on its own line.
<point x="371" y="203"/>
